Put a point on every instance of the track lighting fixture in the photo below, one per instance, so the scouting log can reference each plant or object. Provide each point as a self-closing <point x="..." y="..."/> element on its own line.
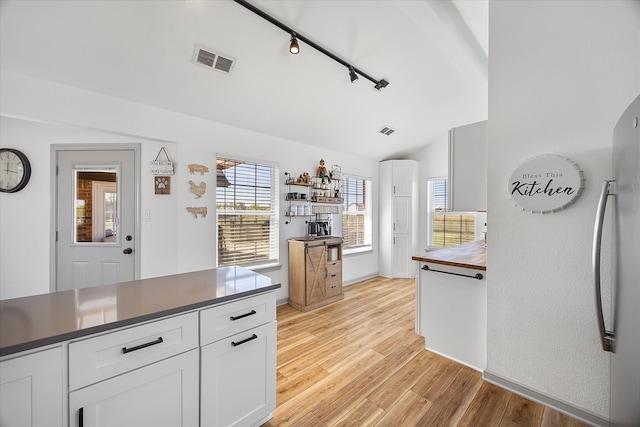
<point x="295" y="48"/>
<point x="352" y="74"/>
<point x="381" y="84"/>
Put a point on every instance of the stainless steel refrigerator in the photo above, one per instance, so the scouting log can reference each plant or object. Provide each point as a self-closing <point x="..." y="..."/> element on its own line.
<point x="622" y="336"/>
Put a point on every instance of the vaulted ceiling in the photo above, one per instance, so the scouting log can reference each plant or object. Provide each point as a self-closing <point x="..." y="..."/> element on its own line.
<point x="433" y="53"/>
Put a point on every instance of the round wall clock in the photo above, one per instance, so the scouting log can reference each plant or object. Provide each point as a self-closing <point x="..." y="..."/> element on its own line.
<point x="15" y="170"/>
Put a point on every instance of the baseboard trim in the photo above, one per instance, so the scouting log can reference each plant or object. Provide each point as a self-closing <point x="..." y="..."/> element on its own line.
<point x="349" y="283"/>
<point x="454" y="359"/>
<point x="536" y="396"/>
<point x="360" y="279"/>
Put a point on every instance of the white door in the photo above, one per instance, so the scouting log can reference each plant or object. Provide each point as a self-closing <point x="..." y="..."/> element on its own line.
<point x="96" y="218"/>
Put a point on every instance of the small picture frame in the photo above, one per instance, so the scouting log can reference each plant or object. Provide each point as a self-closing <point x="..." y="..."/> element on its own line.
<point x="162" y="184"/>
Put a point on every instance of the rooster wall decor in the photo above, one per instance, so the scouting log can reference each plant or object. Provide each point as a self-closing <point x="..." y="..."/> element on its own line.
<point x="198" y="189"/>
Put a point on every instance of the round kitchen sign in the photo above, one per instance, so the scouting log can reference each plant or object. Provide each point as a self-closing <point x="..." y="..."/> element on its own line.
<point x="545" y="184"/>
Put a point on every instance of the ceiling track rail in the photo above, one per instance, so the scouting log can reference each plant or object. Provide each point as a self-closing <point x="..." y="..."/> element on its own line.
<point x="379" y="84"/>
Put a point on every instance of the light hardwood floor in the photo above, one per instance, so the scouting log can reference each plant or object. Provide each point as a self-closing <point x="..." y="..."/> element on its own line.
<point x="359" y="362"/>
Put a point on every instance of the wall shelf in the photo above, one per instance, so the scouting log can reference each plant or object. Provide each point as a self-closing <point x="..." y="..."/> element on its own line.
<point x="315" y="193"/>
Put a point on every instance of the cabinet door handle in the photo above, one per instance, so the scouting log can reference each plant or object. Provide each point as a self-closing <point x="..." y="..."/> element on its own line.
<point x="251" y="313"/>
<point x="251" y="338"/>
<point x="81" y="417"/>
<point x="334" y="275"/>
<point x="126" y="350"/>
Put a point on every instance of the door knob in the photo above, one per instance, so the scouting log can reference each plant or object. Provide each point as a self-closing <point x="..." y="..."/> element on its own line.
<point x="127" y="251"/>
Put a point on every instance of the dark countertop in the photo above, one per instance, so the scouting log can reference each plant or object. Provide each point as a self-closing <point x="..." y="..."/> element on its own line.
<point x="39" y="320"/>
<point x="470" y="255"/>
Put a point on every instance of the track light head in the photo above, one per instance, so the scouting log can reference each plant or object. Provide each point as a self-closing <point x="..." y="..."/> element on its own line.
<point x="381" y="84"/>
<point x="352" y="74"/>
<point x="294" y="48"/>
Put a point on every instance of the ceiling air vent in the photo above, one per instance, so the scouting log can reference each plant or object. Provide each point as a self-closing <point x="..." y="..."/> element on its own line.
<point x="209" y="58"/>
<point x="386" y="130"/>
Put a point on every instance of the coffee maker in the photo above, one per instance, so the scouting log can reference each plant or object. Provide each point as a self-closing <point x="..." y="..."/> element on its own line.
<point x="324" y="228"/>
<point x="319" y="228"/>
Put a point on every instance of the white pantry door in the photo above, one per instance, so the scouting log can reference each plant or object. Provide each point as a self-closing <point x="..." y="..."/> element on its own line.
<point x="95" y="218"/>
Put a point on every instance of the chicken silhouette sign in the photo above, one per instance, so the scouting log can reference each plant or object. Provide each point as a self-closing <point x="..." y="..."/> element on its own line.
<point x="198" y="189"/>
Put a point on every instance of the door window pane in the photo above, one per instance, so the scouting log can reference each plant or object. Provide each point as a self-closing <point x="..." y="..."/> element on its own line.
<point x="96" y="208"/>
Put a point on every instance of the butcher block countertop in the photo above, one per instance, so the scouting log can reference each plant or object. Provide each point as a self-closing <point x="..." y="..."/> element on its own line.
<point x="35" y="321"/>
<point x="470" y="255"/>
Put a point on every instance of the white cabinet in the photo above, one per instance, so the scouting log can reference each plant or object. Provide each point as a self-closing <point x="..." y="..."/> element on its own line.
<point x="104" y="356"/>
<point x="153" y="374"/>
<point x="164" y="393"/>
<point x="402" y="215"/>
<point x="402" y="178"/>
<point x="398" y="217"/>
<point x="468" y="167"/>
<point x="146" y="375"/>
<point x="238" y="362"/>
<point x="451" y="313"/>
<point x="31" y="389"/>
<point x="238" y="378"/>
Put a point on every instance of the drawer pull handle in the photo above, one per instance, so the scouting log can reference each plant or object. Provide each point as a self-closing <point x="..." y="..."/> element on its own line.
<point x="126" y="350"/>
<point x="251" y="313"/>
<point x="251" y="338"/>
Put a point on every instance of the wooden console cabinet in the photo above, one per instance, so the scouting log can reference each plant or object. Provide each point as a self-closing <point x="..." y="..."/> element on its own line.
<point x="315" y="272"/>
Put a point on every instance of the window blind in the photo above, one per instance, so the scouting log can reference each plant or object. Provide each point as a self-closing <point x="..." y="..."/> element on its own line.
<point x="247" y="212"/>
<point x="447" y="228"/>
<point x="356" y="212"/>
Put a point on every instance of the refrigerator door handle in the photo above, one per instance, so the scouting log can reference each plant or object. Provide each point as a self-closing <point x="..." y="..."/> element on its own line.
<point x="606" y="337"/>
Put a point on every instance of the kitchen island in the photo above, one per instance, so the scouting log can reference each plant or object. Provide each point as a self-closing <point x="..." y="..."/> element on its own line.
<point x="144" y="352"/>
<point x="451" y="302"/>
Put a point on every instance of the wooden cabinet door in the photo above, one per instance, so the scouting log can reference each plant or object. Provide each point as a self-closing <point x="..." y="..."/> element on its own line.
<point x="316" y="277"/>
<point x="238" y="378"/>
<point x="164" y="393"/>
<point x="31" y="390"/>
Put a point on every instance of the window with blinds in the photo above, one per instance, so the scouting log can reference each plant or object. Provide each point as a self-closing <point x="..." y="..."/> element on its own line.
<point x="447" y="229"/>
<point x="356" y="213"/>
<point x="247" y="212"/>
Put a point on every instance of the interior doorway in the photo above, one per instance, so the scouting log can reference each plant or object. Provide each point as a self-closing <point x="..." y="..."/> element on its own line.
<point x="96" y="215"/>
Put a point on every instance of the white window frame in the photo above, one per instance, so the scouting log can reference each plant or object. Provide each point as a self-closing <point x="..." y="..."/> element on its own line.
<point x="367" y="213"/>
<point x="273" y="212"/>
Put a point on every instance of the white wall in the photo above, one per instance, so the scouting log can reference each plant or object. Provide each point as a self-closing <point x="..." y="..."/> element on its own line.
<point x="173" y="241"/>
<point x="434" y="163"/>
<point x="560" y="74"/>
